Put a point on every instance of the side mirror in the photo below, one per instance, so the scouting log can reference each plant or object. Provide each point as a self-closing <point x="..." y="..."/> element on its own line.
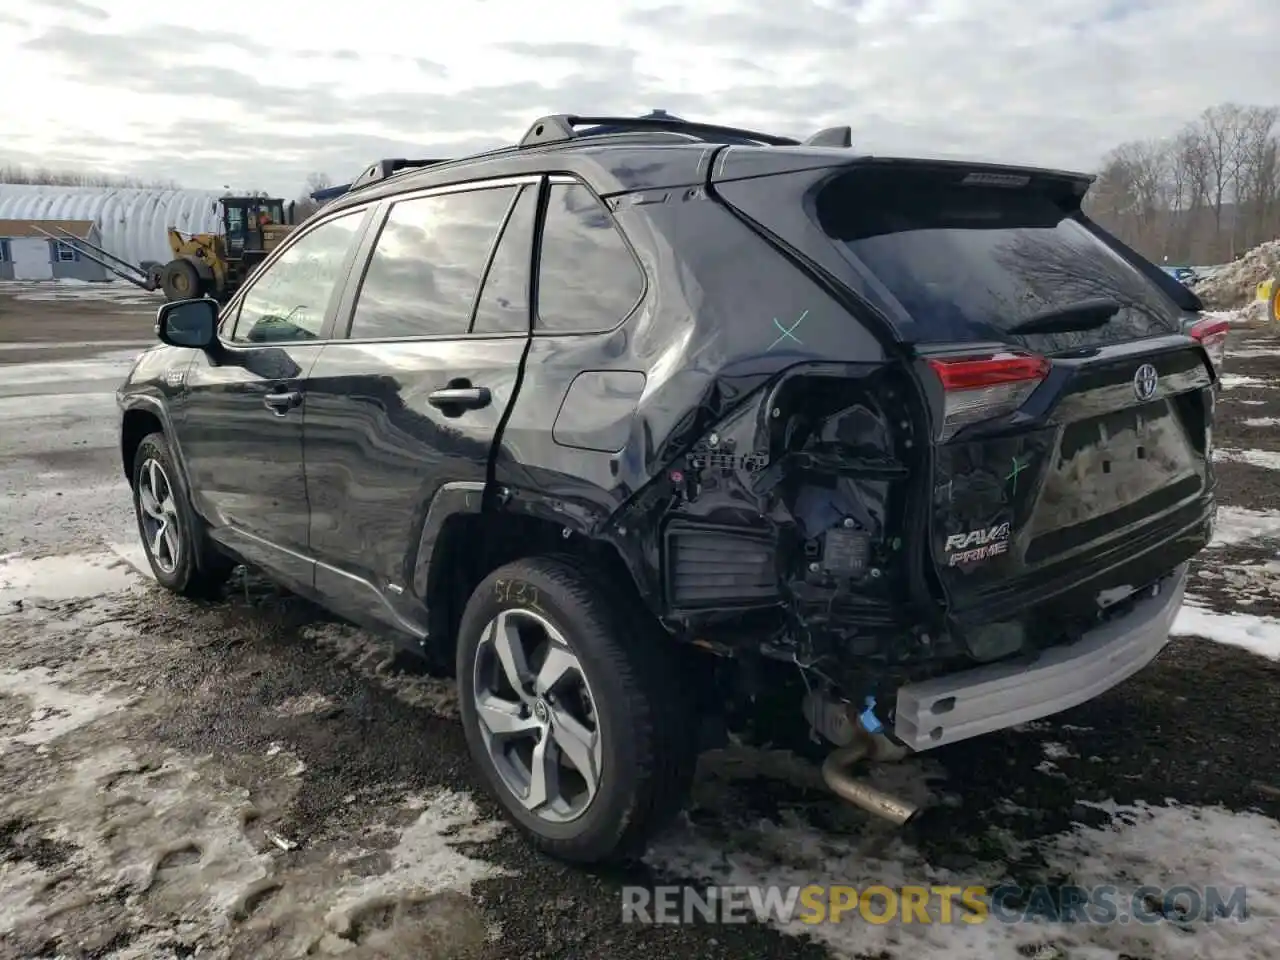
<point x="188" y="323"/>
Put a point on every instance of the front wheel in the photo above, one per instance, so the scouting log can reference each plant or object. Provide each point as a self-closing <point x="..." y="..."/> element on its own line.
<point x="177" y="550"/>
<point x="570" y="711"/>
<point x="179" y="280"/>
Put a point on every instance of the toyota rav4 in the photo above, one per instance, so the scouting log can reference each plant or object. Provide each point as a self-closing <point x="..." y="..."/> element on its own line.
<point x="638" y="421"/>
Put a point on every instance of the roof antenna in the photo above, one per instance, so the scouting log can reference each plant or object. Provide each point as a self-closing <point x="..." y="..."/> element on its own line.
<point x="831" y="137"/>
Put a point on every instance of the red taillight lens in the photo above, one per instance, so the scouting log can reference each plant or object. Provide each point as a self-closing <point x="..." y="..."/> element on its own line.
<point x="1212" y="335"/>
<point x="981" y="388"/>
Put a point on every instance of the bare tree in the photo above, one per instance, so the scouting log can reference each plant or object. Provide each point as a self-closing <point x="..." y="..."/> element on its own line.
<point x="13" y="173"/>
<point x="1256" y="176"/>
<point x="1223" y="133"/>
<point x="1201" y="196"/>
<point x="305" y="205"/>
<point x="317" y="181"/>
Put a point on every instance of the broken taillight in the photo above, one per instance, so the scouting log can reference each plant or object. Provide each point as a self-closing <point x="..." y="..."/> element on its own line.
<point x="1212" y="335"/>
<point x="977" y="388"/>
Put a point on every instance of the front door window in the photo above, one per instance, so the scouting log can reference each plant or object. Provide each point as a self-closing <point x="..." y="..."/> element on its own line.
<point x="289" y="299"/>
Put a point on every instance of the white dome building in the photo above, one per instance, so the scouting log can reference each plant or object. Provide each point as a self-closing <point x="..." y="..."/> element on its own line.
<point x="132" y="223"/>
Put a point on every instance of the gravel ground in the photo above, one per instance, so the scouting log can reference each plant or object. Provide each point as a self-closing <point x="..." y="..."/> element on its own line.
<point x="252" y="779"/>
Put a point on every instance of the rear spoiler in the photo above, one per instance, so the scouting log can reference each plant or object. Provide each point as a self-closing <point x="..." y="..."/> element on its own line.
<point x="737" y="163"/>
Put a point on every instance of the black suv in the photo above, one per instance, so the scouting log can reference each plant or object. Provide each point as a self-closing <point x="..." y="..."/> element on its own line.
<point x="641" y="422"/>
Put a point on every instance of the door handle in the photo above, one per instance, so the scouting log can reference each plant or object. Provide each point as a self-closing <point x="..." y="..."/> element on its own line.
<point x="282" y="403"/>
<point x="460" y="398"/>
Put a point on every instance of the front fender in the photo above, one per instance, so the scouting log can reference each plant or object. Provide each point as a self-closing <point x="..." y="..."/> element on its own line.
<point x="133" y="402"/>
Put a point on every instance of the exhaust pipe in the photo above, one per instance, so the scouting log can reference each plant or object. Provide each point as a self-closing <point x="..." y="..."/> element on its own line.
<point x="837" y="774"/>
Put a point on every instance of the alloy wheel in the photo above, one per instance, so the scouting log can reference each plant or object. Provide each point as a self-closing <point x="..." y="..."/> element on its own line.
<point x="537" y="716"/>
<point x="159" y="515"/>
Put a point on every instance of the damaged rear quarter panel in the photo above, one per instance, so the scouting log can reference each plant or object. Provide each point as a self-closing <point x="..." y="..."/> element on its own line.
<point x="723" y="315"/>
<point x="816" y="469"/>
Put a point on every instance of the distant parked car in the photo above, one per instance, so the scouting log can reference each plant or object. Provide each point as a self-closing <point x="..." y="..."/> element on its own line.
<point x="1184" y="275"/>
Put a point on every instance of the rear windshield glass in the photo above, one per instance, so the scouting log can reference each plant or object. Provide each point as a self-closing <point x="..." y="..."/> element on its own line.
<point x="970" y="262"/>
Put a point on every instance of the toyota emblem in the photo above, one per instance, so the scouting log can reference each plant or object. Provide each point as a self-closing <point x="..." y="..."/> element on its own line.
<point x="1145" y="381"/>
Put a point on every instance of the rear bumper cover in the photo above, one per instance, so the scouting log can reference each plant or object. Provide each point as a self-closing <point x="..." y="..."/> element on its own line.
<point x="972" y="702"/>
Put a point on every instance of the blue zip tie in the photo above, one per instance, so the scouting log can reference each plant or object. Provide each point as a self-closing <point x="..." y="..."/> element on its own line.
<point x="870" y="722"/>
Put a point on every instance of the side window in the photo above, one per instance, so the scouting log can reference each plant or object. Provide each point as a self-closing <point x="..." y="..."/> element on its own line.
<point x="427" y="264"/>
<point x="289" y="299"/>
<point x="503" y="306"/>
<point x="588" y="278"/>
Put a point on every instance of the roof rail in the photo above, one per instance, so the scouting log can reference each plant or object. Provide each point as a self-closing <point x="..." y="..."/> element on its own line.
<point x="831" y="137"/>
<point x="385" y="168"/>
<point x="559" y="128"/>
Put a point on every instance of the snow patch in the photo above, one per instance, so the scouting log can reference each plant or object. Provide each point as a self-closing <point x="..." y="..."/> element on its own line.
<point x="114" y="365"/>
<point x="373" y="657"/>
<point x="65" y="577"/>
<point x="302" y="705"/>
<point x="1261" y="421"/>
<point x="1260" y="635"/>
<point x="55" y="291"/>
<point x="1238" y="524"/>
<point x="135" y="555"/>
<point x="53" y="405"/>
<point x="1270" y="459"/>
<point x="84" y="344"/>
<point x="1142" y="845"/>
<point x="1235" y="284"/>
<point x="54" y="710"/>
<point x="1230" y="381"/>
<point x="1057" y="751"/>
<point x="425" y="859"/>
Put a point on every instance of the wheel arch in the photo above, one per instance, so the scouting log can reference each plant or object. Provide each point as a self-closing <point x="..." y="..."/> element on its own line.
<point x="464" y="539"/>
<point x="138" y="422"/>
<point x="144" y="415"/>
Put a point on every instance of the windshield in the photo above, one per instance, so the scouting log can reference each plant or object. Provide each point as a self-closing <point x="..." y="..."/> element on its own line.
<point x="970" y="262"/>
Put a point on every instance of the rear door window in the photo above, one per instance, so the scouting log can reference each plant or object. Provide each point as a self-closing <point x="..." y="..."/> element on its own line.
<point x="427" y="264"/>
<point x="503" y="305"/>
<point x="970" y="262"/>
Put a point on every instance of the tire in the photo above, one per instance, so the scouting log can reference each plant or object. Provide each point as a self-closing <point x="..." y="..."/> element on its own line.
<point x="154" y="273"/>
<point x="180" y="280"/>
<point x="640" y="719"/>
<point x="173" y="538"/>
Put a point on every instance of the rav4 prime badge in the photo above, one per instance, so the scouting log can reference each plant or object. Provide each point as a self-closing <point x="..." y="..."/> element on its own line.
<point x="977" y="544"/>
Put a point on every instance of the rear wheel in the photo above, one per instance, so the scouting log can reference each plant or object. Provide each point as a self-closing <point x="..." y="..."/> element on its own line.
<point x="180" y="280"/>
<point x="570" y="711"/>
<point x="180" y="556"/>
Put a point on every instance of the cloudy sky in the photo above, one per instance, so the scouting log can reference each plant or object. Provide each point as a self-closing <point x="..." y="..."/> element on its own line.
<point x="272" y="90"/>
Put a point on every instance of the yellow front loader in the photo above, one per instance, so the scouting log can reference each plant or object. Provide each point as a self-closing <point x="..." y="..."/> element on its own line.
<point x="215" y="264"/>
<point x="203" y="264"/>
<point x="1269" y="293"/>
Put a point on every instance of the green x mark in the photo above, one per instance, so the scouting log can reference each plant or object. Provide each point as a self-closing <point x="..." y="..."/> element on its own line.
<point x="1013" y="474"/>
<point x="787" y="332"/>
